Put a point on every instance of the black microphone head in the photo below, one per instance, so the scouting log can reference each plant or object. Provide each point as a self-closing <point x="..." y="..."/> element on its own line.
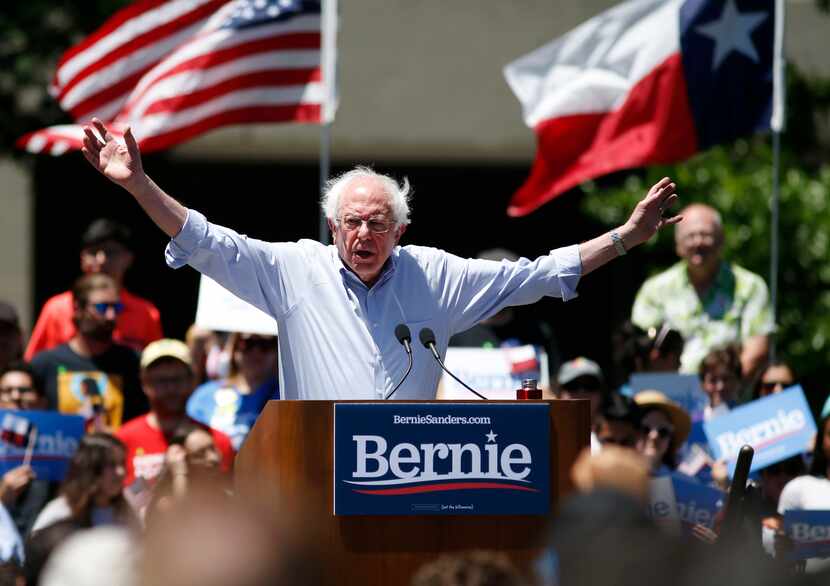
<point x="427" y="337"/>
<point x="402" y="333"/>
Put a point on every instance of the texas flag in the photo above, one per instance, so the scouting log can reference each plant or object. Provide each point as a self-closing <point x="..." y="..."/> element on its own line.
<point x="646" y="82"/>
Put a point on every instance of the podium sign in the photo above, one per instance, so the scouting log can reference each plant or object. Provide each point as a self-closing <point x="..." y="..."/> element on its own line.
<point x="441" y="459"/>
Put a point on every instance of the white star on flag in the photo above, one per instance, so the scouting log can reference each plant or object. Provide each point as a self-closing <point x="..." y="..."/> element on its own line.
<point x="733" y="33"/>
<point x="491" y="437"/>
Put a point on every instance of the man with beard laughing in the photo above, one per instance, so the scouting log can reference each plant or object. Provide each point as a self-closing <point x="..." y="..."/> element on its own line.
<point x="92" y="375"/>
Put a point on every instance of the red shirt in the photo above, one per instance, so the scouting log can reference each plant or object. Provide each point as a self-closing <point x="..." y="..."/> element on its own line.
<point x="147" y="445"/>
<point x="138" y="325"/>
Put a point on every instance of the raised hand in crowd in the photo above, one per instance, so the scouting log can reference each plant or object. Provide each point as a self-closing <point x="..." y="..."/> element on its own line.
<point x="15" y="482"/>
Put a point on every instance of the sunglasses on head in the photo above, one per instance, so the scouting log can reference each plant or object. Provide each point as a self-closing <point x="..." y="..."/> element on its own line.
<point x="662" y="431"/>
<point x="102" y="308"/>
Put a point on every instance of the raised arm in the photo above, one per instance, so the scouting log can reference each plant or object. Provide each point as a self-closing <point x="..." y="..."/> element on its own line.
<point x="121" y="164"/>
<point x="647" y="218"/>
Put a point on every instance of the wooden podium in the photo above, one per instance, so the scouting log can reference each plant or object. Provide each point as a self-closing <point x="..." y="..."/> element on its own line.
<point x="288" y="458"/>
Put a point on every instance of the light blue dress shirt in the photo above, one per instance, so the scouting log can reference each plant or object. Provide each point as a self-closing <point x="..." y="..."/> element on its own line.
<point x="336" y="335"/>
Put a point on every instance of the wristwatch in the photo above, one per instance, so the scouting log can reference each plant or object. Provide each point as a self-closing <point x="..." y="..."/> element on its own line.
<point x="618" y="243"/>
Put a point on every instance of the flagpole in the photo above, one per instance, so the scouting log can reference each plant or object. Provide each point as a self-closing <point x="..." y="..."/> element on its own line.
<point x="329" y="13"/>
<point x="777" y="127"/>
<point x="325" y="154"/>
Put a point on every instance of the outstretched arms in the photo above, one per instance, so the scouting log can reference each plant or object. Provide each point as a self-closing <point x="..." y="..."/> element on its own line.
<point x="647" y="218"/>
<point x="121" y="164"/>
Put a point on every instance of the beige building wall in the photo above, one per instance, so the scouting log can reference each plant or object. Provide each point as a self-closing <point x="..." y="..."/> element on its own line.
<point x="16" y="238"/>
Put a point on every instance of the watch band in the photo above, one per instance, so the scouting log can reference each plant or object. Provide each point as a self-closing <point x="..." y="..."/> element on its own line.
<point x="618" y="243"/>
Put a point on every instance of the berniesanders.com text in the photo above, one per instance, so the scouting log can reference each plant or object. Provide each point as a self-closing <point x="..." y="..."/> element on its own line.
<point x="439" y="420"/>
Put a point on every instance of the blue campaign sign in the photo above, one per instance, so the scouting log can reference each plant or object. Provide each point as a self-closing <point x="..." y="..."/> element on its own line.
<point x="810" y="532"/>
<point x="777" y="427"/>
<point x="697" y="504"/>
<point x="441" y="459"/>
<point x="56" y="441"/>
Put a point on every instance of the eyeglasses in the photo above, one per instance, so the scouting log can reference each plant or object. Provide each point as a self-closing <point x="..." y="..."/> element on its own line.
<point x="662" y="431"/>
<point x="20" y="389"/>
<point x="102" y="308"/>
<point x="351" y="223"/>
<point x="264" y="344"/>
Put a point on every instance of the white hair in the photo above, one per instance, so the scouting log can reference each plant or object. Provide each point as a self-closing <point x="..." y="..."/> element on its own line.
<point x="399" y="194"/>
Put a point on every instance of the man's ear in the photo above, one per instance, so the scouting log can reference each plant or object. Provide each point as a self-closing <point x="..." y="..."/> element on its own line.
<point x="401" y="230"/>
<point x="331" y="228"/>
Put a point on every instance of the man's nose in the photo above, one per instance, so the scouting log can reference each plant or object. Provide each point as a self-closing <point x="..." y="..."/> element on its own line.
<point x="111" y="314"/>
<point x="363" y="231"/>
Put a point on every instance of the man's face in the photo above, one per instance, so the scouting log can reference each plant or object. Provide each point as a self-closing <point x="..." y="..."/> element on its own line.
<point x="699" y="238"/>
<point x="621" y="433"/>
<point x="168" y="384"/>
<point x="584" y="387"/>
<point x="109" y="257"/>
<point x="96" y="319"/>
<point x="17" y="392"/>
<point x="365" y="232"/>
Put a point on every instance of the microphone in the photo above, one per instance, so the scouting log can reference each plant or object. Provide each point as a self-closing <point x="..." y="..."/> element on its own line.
<point x="427" y="337"/>
<point x="404" y="337"/>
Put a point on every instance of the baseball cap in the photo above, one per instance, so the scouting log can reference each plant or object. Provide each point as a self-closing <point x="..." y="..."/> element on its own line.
<point x="573" y="369"/>
<point x="165" y="348"/>
<point x="8" y="315"/>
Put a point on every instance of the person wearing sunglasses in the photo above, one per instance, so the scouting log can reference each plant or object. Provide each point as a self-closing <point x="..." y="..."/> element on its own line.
<point x="233" y="404"/>
<point x="776" y="377"/>
<point x="92" y="362"/>
<point x="664" y="426"/>
<point x="105" y="249"/>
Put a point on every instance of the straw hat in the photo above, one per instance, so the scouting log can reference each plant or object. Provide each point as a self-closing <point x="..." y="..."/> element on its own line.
<point x="652" y="399"/>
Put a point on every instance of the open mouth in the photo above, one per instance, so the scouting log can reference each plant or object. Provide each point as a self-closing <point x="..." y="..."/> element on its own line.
<point x="364" y="254"/>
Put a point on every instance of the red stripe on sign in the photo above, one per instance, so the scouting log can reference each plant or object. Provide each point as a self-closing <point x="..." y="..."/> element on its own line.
<point x="653" y="126"/>
<point x="445" y="487"/>
<point x="250" y="115"/>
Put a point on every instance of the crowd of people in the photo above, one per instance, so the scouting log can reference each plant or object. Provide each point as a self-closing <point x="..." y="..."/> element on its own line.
<point x="163" y="418"/>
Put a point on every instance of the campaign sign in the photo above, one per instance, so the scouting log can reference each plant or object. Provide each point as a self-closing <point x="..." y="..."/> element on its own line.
<point x="810" y="532"/>
<point x="697" y="504"/>
<point x="495" y="372"/>
<point x="683" y="389"/>
<point x="441" y="459"/>
<point x="56" y="438"/>
<point x="777" y="427"/>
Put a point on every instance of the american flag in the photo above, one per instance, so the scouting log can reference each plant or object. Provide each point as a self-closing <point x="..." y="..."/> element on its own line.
<point x="175" y="69"/>
<point x="16" y="430"/>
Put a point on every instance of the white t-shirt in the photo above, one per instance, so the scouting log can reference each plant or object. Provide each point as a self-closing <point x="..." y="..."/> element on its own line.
<point x="58" y="510"/>
<point x="805" y="492"/>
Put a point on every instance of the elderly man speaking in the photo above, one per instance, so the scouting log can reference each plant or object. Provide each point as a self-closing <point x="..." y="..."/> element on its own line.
<point x="337" y="306"/>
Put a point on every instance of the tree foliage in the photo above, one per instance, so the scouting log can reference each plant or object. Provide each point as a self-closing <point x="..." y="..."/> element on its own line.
<point x="737" y="180"/>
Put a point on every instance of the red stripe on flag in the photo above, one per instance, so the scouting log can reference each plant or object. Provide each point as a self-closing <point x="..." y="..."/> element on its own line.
<point x="152" y="36"/>
<point x="84" y="109"/>
<point x="115" y="21"/>
<point x="263" y="79"/>
<point x="221" y="56"/>
<point x="250" y="115"/>
<point x="653" y="126"/>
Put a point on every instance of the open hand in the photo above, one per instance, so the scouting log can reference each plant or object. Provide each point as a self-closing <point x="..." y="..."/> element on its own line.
<point x="651" y="213"/>
<point x="13" y="483"/>
<point x="119" y="162"/>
